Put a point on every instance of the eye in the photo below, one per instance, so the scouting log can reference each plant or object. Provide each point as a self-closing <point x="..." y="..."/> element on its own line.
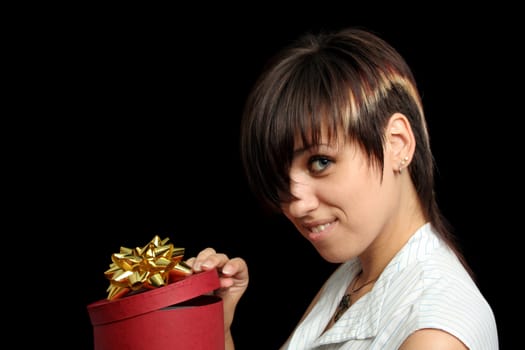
<point x="318" y="164"/>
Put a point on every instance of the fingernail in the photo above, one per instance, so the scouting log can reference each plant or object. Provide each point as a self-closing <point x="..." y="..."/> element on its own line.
<point x="227" y="270"/>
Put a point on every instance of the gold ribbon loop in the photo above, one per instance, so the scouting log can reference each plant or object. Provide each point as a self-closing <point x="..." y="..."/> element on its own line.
<point x="154" y="265"/>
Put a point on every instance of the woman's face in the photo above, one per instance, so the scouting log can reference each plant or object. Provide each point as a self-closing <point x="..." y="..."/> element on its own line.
<point x="343" y="202"/>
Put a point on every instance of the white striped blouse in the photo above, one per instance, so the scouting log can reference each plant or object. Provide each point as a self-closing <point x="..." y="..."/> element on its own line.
<point x="424" y="286"/>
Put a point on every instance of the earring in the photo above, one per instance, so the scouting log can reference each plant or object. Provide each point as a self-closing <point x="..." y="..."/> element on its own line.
<point x="402" y="164"/>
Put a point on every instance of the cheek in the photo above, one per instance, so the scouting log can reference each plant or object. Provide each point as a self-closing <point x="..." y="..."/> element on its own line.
<point x="361" y="193"/>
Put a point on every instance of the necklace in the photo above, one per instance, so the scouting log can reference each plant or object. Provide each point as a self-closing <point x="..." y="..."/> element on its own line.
<point x="345" y="302"/>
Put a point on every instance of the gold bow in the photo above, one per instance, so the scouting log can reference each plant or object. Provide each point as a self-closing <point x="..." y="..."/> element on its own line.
<point x="152" y="266"/>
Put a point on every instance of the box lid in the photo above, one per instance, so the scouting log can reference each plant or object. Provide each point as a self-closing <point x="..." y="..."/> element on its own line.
<point x="105" y="311"/>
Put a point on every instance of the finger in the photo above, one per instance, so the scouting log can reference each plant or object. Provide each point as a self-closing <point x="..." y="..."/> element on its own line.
<point x="207" y="259"/>
<point x="203" y="254"/>
<point x="195" y="261"/>
<point x="212" y="261"/>
<point x="235" y="266"/>
<point x="190" y="261"/>
<point x="234" y="279"/>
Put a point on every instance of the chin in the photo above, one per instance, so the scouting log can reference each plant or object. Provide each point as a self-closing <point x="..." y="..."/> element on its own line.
<point x="331" y="257"/>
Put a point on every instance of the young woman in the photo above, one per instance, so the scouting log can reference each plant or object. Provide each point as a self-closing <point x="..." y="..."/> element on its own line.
<point x="334" y="137"/>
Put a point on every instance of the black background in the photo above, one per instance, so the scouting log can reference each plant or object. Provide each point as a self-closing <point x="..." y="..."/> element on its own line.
<point x="134" y="130"/>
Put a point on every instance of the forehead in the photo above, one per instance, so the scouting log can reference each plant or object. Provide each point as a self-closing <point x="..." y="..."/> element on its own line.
<point x="323" y="136"/>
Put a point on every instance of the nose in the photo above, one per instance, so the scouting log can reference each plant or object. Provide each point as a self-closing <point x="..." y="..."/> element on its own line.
<point x="305" y="199"/>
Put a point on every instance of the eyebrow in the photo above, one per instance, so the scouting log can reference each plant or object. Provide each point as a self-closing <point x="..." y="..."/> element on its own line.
<point x="299" y="152"/>
<point x="316" y="148"/>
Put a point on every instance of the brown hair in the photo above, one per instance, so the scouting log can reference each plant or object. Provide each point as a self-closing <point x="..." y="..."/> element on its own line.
<point x="346" y="80"/>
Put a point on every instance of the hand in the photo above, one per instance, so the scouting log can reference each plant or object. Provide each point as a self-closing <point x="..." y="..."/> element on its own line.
<point x="233" y="275"/>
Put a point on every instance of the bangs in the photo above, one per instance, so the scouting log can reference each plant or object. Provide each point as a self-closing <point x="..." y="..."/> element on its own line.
<point x="323" y="87"/>
<point x="312" y="104"/>
<point x="310" y="100"/>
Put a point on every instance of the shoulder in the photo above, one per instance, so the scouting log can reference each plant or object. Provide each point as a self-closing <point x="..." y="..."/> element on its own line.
<point x="447" y="306"/>
<point x="431" y="339"/>
<point x="433" y="296"/>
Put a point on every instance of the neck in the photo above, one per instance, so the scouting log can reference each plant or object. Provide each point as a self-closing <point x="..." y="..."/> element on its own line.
<point x="386" y="245"/>
<point x="360" y="283"/>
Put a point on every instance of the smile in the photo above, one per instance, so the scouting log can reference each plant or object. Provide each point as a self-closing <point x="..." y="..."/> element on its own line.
<point x="320" y="228"/>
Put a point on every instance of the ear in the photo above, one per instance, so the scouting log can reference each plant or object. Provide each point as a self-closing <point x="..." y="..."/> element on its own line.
<point x="400" y="141"/>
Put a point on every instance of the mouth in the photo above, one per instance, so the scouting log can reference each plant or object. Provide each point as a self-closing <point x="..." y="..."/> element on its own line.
<point x="320" y="228"/>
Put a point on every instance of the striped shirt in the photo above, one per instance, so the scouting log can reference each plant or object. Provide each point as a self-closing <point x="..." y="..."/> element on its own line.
<point x="423" y="286"/>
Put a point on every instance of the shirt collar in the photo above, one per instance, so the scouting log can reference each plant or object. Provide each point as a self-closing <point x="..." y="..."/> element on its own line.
<point x="361" y="321"/>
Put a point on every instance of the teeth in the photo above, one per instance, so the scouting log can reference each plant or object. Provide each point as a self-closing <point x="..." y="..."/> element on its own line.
<point x="319" y="228"/>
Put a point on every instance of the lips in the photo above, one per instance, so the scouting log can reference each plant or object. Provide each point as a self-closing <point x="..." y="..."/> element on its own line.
<point x="319" y="228"/>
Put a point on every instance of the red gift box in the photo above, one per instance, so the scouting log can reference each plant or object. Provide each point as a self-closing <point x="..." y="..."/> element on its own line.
<point x="180" y="315"/>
